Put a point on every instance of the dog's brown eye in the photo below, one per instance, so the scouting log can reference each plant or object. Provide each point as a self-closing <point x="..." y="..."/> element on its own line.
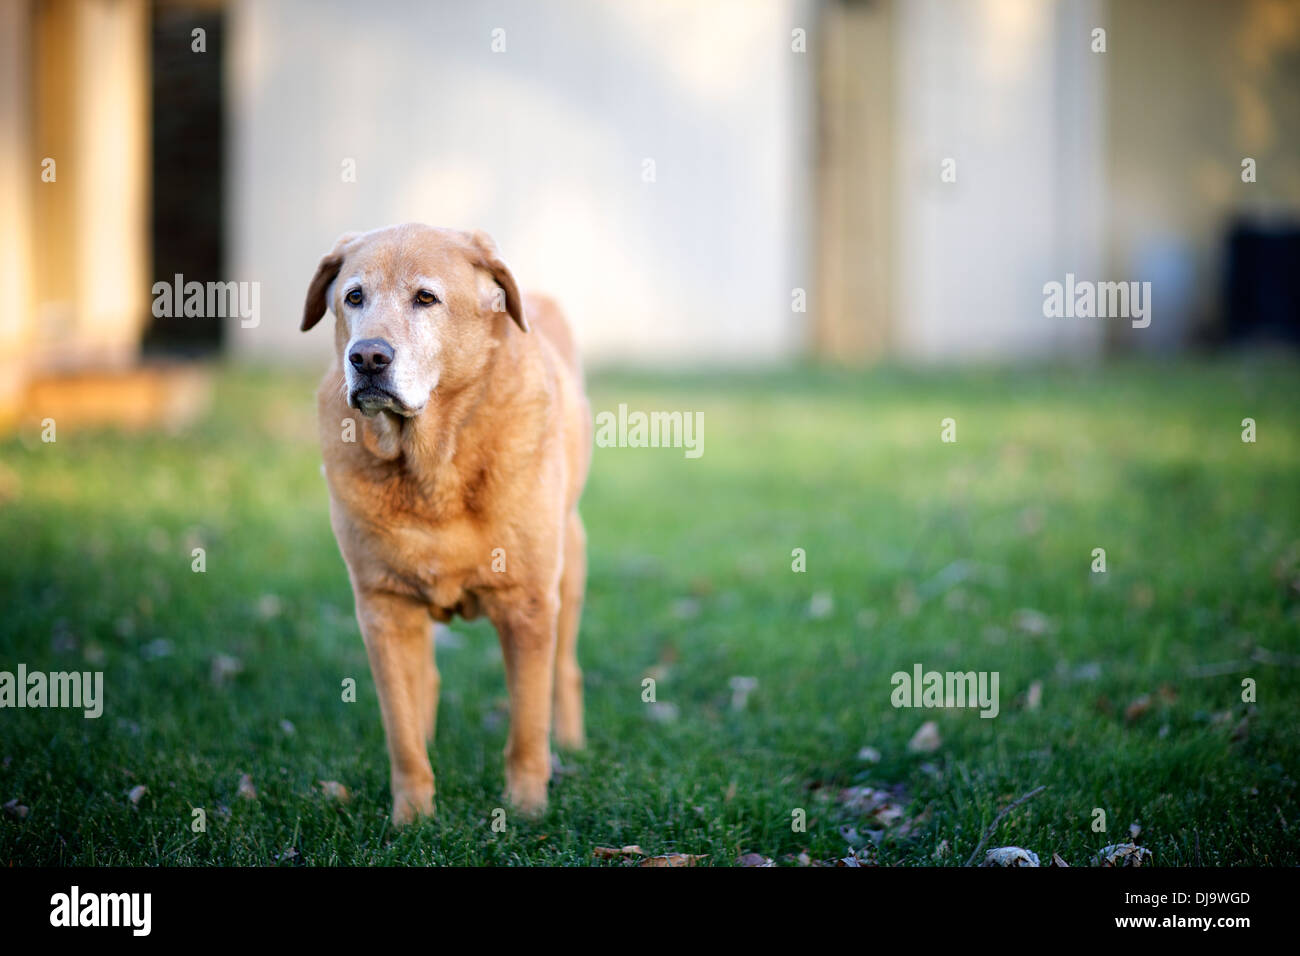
<point x="354" y="297"/>
<point x="425" y="297"/>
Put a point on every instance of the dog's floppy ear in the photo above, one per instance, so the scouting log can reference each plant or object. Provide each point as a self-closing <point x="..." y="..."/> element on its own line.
<point x="328" y="269"/>
<point x="487" y="257"/>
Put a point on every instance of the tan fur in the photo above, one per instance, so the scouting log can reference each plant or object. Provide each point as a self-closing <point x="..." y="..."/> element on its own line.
<point x="484" y="445"/>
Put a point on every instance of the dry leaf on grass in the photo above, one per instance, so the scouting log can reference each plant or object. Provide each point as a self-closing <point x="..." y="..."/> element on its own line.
<point x="224" y="667"/>
<point x="246" y="789"/>
<point x="859" y="858"/>
<point x="1123" y="854"/>
<point x="1031" y="622"/>
<point x="615" y="852"/>
<point x="1034" y="698"/>
<point x="334" y="790"/>
<point x="821" y="605"/>
<point x="741" y="688"/>
<point x="878" y="805"/>
<point x="137" y="792"/>
<point x="1057" y="861"/>
<point x="673" y="859"/>
<point x="1137" y="708"/>
<point x="1010" y="856"/>
<point x="926" y="739"/>
<point x="16" y="810"/>
<point x="755" y="859"/>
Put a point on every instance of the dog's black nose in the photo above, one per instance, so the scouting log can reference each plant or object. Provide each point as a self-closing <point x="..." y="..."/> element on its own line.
<point x="371" y="355"/>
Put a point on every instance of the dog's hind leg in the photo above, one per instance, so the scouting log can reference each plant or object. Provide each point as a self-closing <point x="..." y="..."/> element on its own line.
<point x="568" y="676"/>
<point x="431" y="682"/>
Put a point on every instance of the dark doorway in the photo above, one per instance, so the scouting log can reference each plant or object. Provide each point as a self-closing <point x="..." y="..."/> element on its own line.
<point x="188" y="126"/>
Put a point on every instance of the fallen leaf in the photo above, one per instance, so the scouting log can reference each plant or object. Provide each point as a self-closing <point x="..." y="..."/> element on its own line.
<point x="1137" y="708"/>
<point x="863" y="857"/>
<point x="16" y="810"/>
<point x="1135" y="830"/>
<point x="137" y="792"/>
<point x="615" y="852"/>
<point x="755" y="859"/>
<point x="334" y="790"/>
<point x="926" y="739"/>
<point x="224" y="667"/>
<point x="673" y="859"/>
<point x="1058" y="861"/>
<point x="741" y="688"/>
<point x="870" y="802"/>
<point x="1034" y="699"/>
<point x="1010" y="856"/>
<point x="246" y="789"/>
<point x="821" y="606"/>
<point x="1123" y="854"/>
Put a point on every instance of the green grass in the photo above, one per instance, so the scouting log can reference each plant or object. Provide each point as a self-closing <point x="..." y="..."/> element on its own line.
<point x="927" y="551"/>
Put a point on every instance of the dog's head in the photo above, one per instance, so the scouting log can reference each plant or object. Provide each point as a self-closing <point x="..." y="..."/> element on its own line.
<point x="417" y="307"/>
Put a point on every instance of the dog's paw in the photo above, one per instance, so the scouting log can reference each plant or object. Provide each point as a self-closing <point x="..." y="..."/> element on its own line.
<point x="526" y="793"/>
<point x="411" y="804"/>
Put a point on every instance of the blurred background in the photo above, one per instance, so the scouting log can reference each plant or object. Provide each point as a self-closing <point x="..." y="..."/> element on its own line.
<point x="729" y="182"/>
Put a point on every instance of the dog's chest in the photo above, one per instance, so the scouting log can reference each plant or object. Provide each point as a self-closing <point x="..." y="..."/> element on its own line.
<point x="442" y="563"/>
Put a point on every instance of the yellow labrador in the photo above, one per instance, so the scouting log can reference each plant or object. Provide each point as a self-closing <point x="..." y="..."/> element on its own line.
<point x="458" y="493"/>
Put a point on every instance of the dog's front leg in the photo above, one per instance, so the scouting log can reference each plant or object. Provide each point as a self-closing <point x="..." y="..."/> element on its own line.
<point x="396" y="632"/>
<point x="526" y="626"/>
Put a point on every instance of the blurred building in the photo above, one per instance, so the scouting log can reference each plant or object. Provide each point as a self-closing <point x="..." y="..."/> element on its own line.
<point x="707" y="181"/>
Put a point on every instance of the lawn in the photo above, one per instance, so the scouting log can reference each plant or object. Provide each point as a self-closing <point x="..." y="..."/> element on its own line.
<point x="1119" y="691"/>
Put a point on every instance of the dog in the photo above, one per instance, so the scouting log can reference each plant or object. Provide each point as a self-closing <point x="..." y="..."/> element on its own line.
<point x="458" y="491"/>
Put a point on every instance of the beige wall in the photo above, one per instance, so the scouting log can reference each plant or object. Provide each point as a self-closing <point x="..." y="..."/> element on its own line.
<point x="542" y="145"/>
<point x="1011" y="92"/>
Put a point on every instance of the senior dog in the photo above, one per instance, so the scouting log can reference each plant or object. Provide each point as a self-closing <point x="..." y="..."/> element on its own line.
<point x="459" y="491"/>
